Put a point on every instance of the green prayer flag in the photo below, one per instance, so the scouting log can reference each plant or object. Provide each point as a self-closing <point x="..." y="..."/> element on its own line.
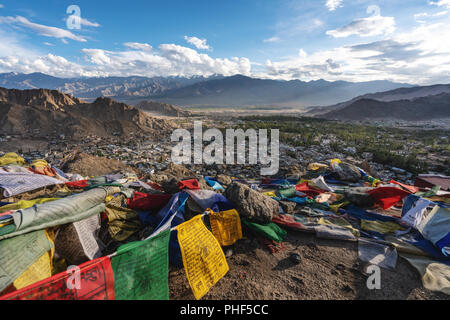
<point x="431" y="193"/>
<point x="141" y="269"/>
<point x="270" y="230"/>
<point x="287" y="192"/>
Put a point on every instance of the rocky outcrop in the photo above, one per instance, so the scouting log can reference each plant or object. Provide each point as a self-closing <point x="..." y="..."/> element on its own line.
<point x="52" y="112"/>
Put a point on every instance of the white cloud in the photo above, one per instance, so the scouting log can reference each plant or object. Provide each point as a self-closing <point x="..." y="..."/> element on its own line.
<point x="48" y="64"/>
<point x="1" y="6"/>
<point x="441" y="3"/>
<point x="424" y="16"/>
<point x="138" y="46"/>
<point x="198" y="43"/>
<point x="42" y="29"/>
<point x="87" y="23"/>
<point x="332" y="5"/>
<point x="271" y="40"/>
<point x="166" y="60"/>
<point x="365" y="27"/>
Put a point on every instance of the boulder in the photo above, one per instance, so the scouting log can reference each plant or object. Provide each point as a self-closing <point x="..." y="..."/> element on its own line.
<point x="252" y="205"/>
<point x="359" y="197"/>
<point x="347" y="172"/>
<point x="288" y="207"/>
<point x="170" y="185"/>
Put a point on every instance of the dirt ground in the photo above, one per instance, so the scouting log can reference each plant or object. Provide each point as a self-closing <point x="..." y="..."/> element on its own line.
<point x="88" y="165"/>
<point x="328" y="270"/>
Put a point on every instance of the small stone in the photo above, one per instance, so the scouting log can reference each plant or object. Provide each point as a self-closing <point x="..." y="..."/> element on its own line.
<point x="295" y="258"/>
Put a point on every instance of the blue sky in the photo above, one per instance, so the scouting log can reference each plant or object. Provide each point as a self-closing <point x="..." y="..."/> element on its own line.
<point x="359" y="40"/>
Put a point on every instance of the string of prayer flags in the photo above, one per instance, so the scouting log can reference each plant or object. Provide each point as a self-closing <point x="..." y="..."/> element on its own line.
<point x="138" y="271"/>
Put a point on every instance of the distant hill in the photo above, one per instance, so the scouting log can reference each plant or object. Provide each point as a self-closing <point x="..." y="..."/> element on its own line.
<point x="162" y="109"/>
<point x="388" y="96"/>
<point x="415" y="109"/>
<point x="47" y="112"/>
<point x="214" y="91"/>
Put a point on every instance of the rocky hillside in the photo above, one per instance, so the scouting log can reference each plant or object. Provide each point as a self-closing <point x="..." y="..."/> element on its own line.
<point x="162" y="109"/>
<point x="48" y="112"/>
<point x="424" y="108"/>
<point x="46" y="99"/>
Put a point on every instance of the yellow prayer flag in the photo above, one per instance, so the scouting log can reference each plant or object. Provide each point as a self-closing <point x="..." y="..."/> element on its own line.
<point x="226" y="226"/>
<point x="336" y="161"/>
<point x="341" y="222"/>
<point x="381" y="226"/>
<point x="203" y="259"/>
<point x="270" y="194"/>
<point x="11" y="158"/>
<point x="24" y="204"/>
<point x="39" y="163"/>
<point x="317" y="166"/>
<point x="335" y="207"/>
<point x="41" y="269"/>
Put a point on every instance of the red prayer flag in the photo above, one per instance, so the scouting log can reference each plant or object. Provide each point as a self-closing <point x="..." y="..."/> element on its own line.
<point x="287" y="221"/>
<point x="387" y="197"/>
<point x="189" y="184"/>
<point x="78" y="184"/>
<point x="96" y="282"/>
<point x="308" y="190"/>
<point x="411" y="189"/>
<point x="145" y="201"/>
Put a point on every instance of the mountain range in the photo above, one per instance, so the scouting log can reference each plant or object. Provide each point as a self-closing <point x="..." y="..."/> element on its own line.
<point x="214" y="91"/>
<point x="157" y="96"/>
<point x="92" y="88"/>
